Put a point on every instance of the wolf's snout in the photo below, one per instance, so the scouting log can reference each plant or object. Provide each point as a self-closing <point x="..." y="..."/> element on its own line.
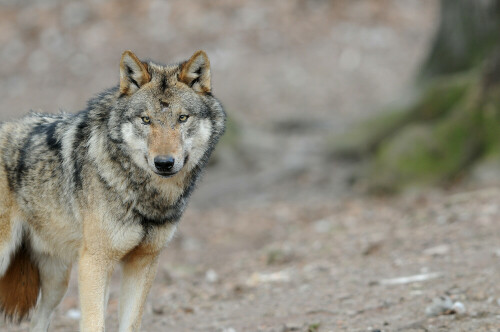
<point x="164" y="164"/>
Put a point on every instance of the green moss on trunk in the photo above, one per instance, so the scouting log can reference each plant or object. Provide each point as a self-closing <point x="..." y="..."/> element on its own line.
<point x="437" y="99"/>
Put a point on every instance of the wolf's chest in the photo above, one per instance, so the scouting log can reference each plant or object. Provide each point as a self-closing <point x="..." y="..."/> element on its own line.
<point x="156" y="207"/>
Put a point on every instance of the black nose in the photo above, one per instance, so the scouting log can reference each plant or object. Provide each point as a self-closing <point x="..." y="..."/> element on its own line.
<point x="164" y="163"/>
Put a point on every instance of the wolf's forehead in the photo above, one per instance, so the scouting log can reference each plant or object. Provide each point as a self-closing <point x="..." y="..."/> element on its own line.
<point x="161" y="72"/>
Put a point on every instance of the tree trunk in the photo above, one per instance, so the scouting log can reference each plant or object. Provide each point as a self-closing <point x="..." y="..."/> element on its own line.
<point x="454" y="124"/>
<point x="467" y="32"/>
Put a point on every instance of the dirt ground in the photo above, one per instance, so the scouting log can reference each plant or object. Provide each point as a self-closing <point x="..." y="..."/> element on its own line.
<point x="275" y="239"/>
<point x="326" y="266"/>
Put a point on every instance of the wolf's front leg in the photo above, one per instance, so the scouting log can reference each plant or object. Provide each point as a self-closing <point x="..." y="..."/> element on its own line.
<point x="95" y="270"/>
<point x="139" y="270"/>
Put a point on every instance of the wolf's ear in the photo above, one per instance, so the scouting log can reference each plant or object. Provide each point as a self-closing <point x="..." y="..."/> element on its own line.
<point x="196" y="72"/>
<point x="133" y="73"/>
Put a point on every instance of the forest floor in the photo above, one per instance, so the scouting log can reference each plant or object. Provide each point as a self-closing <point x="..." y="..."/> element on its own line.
<point x="353" y="264"/>
<point x="275" y="238"/>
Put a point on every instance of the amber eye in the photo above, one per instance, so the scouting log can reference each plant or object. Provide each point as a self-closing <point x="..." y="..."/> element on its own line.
<point x="183" y="118"/>
<point x="146" y="120"/>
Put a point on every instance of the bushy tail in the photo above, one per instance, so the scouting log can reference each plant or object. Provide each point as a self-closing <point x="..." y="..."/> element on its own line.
<point x="19" y="286"/>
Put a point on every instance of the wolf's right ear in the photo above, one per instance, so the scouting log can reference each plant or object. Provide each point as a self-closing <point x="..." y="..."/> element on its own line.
<point x="196" y="72"/>
<point x="133" y="73"/>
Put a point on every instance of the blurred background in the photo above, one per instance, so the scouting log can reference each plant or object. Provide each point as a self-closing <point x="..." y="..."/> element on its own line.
<point x="356" y="183"/>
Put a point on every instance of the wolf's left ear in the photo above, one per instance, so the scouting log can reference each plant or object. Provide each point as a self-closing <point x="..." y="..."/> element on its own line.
<point x="133" y="73"/>
<point x="196" y="72"/>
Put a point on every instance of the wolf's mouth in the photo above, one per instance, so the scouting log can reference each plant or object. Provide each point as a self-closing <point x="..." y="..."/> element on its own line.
<point x="166" y="175"/>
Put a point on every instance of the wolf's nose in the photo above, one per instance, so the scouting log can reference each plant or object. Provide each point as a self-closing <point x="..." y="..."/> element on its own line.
<point x="164" y="163"/>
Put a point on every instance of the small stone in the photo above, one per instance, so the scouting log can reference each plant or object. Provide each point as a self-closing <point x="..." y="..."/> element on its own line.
<point x="445" y="306"/>
<point x="74" y="314"/>
<point x="211" y="276"/>
<point x="440" y="250"/>
<point x="459" y="308"/>
<point x="263" y="278"/>
<point x="440" y="306"/>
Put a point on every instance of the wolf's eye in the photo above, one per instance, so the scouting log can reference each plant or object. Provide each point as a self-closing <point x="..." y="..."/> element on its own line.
<point x="183" y="118"/>
<point x="146" y="120"/>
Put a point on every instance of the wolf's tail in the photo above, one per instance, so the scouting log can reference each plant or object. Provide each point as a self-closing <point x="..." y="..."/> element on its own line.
<point x="20" y="285"/>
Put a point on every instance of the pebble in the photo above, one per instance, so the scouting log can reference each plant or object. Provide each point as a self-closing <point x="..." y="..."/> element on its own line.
<point x="74" y="314"/>
<point x="211" y="276"/>
<point x="262" y="278"/>
<point x="445" y="306"/>
<point x="440" y="250"/>
<point x="459" y="308"/>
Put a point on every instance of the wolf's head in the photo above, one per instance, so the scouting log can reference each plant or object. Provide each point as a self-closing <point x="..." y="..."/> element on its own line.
<point x="169" y="118"/>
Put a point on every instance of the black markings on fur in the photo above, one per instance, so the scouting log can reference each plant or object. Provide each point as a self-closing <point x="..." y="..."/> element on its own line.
<point x="197" y="79"/>
<point x="164" y="104"/>
<point x="129" y="75"/>
<point x="134" y="82"/>
<point x="193" y="82"/>
<point x="80" y="139"/>
<point x="10" y="169"/>
<point x="163" y="84"/>
<point x="149" y="222"/>
<point x="21" y="161"/>
<point x="53" y="142"/>
<point x="129" y="71"/>
<point x="24" y="152"/>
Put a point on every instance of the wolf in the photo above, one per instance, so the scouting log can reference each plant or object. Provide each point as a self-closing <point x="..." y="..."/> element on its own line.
<point x="103" y="187"/>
